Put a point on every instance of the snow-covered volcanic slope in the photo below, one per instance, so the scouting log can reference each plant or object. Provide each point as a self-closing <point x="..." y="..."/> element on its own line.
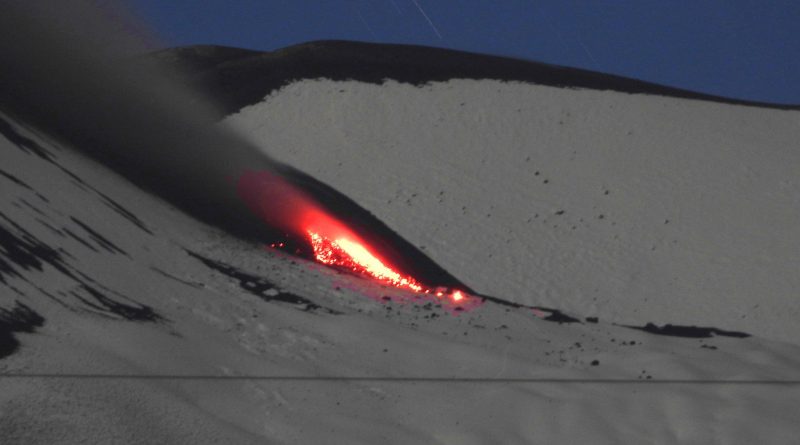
<point x="124" y="320"/>
<point x="630" y="207"/>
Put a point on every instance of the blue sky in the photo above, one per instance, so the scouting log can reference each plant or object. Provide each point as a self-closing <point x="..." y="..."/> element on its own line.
<point x="740" y="49"/>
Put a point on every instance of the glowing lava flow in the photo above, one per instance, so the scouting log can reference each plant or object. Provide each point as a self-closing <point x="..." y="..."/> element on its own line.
<point x="344" y="252"/>
<point x="352" y="255"/>
<point x="285" y="207"/>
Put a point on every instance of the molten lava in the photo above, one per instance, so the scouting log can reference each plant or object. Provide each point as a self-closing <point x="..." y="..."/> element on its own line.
<point x="353" y="255"/>
<point x="283" y="206"/>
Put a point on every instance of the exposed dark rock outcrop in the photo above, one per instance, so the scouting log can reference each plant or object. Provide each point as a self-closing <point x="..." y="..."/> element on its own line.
<point x="237" y="78"/>
<point x="673" y="330"/>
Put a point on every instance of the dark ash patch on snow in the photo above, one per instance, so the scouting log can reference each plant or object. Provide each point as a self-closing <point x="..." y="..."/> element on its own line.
<point x="123" y="212"/>
<point x="77" y="238"/>
<point x="687" y="331"/>
<point x="15" y="180"/>
<point x="24" y="185"/>
<point x="25" y="251"/>
<point x="556" y="316"/>
<point x="102" y="304"/>
<point x="553" y="315"/>
<point x="173" y="277"/>
<point x="259" y="286"/>
<point x="110" y="203"/>
<point x="32" y="147"/>
<point x="37" y="210"/>
<point x="99" y="239"/>
<point x="24" y="143"/>
<point x="21" y="251"/>
<point x="21" y="318"/>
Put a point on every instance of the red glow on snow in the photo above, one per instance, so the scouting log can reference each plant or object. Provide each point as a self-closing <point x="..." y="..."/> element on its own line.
<point x="284" y="206"/>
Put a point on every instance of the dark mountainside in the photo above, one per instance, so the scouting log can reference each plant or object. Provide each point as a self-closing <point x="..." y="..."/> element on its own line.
<point x="238" y="77"/>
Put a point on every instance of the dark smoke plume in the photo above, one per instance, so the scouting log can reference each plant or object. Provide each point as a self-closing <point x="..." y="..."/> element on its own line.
<point x="71" y="69"/>
<point x="77" y="70"/>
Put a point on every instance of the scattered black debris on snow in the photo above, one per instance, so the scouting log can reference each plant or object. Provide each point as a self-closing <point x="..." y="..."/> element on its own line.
<point x="21" y="318"/>
<point x="687" y="331"/>
<point x="259" y="286"/>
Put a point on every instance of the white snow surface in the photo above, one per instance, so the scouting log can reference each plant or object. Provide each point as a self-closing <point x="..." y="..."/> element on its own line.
<point x="91" y="377"/>
<point x="674" y="210"/>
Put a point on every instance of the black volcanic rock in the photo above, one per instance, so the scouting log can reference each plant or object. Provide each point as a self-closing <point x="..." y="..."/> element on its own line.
<point x="237" y="78"/>
<point x="688" y="331"/>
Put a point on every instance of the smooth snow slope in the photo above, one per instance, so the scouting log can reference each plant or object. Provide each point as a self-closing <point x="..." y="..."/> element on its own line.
<point x="149" y="317"/>
<point x="633" y="208"/>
